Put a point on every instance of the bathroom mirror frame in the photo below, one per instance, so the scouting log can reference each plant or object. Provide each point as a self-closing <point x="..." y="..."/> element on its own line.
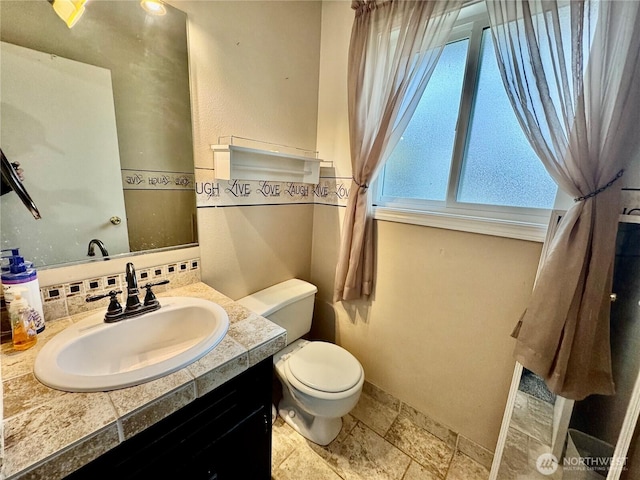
<point x="148" y="133"/>
<point x="632" y="414"/>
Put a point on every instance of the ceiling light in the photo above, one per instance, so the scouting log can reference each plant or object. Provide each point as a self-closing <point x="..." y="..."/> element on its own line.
<point x="69" y="11"/>
<point x="153" y="7"/>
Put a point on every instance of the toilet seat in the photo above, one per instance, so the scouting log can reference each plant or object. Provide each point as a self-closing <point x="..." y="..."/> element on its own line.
<point x="325" y="369"/>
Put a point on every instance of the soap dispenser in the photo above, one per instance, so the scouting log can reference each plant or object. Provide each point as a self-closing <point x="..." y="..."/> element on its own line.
<point x="23" y="327"/>
<point x="20" y="274"/>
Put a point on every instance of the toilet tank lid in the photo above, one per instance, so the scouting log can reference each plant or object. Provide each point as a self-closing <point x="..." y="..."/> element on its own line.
<point x="269" y="300"/>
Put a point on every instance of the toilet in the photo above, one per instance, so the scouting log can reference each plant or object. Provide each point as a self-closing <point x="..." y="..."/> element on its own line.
<point x="321" y="382"/>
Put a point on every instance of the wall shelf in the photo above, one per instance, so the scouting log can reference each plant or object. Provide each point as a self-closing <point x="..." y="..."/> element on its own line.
<point x="234" y="162"/>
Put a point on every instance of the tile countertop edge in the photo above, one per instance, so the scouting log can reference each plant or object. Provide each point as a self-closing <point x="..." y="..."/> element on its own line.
<point x="155" y="391"/>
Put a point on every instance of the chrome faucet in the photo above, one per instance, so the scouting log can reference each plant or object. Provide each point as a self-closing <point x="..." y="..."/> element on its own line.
<point x="91" y="250"/>
<point x="133" y="307"/>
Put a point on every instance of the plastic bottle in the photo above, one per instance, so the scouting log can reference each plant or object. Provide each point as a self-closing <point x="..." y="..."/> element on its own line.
<point x="23" y="328"/>
<point x="20" y="274"/>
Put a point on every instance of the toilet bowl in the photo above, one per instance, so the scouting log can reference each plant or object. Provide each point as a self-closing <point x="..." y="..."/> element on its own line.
<point x="321" y="381"/>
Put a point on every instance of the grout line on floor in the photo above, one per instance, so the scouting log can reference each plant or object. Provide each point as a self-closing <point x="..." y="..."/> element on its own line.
<point x="453" y="456"/>
<point x="348" y="434"/>
<point x="384" y="439"/>
<point x="352" y="426"/>
<point x="407" y="469"/>
<point x="274" y="467"/>
<point x="390" y="425"/>
<point x="397" y="447"/>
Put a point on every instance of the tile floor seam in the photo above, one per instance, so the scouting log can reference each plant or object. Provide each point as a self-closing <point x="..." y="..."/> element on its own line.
<point x="389" y="428"/>
<point x="275" y="467"/>
<point x="349" y="434"/>
<point x="430" y="431"/>
<point x="524" y="432"/>
<point x="449" y="463"/>
<point x="384" y="439"/>
<point x="408" y="454"/>
<point x="453" y="456"/>
<point x="407" y="469"/>
<point x="328" y="464"/>
<point x="454" y="466"/>
<point x="312" y="452"/>
<point x="352" y="426"/>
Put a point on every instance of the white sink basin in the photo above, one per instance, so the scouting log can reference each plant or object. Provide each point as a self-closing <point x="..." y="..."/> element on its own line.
<point x="92" y="356"/>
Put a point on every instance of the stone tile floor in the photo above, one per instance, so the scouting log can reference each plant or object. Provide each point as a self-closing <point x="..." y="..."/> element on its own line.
<point x="528" y="437"/>
<point x="377" y="442"/>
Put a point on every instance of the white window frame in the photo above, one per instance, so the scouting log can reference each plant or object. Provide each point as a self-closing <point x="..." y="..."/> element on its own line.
<point x="513" y="222"/>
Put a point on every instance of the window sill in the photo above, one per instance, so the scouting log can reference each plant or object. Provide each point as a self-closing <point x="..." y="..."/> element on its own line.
<point x="534" y="232"/>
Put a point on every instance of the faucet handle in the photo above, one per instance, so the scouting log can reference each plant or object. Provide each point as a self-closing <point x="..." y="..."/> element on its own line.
<point x="95" y="298"/>
<point x="150" y="298"/>
<point x="114" y="309"/>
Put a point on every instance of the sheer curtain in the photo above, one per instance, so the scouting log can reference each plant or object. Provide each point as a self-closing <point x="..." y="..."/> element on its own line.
<point x="572" y="73"/>
<point x="394" y="48"/>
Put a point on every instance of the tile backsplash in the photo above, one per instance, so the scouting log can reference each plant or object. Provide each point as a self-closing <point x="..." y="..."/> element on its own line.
<point x="66" y="299"/>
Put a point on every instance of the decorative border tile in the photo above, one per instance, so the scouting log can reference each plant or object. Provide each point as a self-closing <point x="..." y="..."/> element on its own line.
<point x="53" y="292"/>
<point x="156" y="180"/>
<point x="76" y="288"/>
<point x="112" y="282"/>
<point x="93" y="285"/>
<point x="330" y="190"/>
<point x="159" y="272"/>
<point x="211" y="192"/>
<point x="144" y="276"/>
<point x="68" y="299"/>
<point x="631" y="201"/>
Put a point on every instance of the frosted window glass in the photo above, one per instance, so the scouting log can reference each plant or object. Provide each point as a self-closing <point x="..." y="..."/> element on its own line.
<point x="419" y="165"/>
<point x="500" y="167"/>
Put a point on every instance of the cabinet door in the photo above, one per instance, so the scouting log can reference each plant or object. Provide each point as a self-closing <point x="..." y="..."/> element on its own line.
<point x="224" y="435"/>
<point x="243" y="452"/>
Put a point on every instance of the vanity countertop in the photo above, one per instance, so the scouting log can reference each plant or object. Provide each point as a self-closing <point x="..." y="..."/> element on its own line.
<point x="48" y="433"/>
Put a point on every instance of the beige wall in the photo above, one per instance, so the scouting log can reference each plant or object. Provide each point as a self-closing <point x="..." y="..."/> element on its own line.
<point x="437" y="331"/>
<point x="249" y="248"/>
<point x="254" y="70"/>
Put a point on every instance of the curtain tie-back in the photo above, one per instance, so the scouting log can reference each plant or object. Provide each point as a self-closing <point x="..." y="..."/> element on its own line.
<point x="601" y="189"/>
<point x="363" y="186"/>
<point x="365" y="6"/>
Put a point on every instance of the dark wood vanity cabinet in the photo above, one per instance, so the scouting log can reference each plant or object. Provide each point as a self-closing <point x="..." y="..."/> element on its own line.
<point x="224" y="435"/>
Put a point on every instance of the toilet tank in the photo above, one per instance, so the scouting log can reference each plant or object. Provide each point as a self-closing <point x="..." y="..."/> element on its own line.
<point x="288" y="304"/>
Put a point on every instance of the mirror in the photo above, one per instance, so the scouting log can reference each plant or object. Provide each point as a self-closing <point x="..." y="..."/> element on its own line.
<point x="99" y="119"/>
<point x="534" y="431"/>
<point x="590" y="438"/>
